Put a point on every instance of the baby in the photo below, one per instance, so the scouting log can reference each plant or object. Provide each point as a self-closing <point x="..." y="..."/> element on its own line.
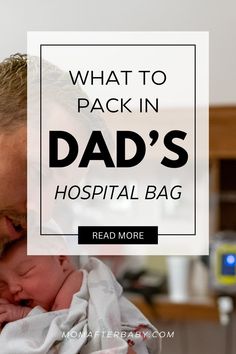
<point x="29" y="281"/>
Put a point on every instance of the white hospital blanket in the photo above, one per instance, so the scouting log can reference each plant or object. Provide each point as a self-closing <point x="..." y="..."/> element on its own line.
<point x="99" y="320"/>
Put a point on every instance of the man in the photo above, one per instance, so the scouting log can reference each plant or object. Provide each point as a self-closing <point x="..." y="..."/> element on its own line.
<point x="13" y="145"/>
<point x="13" y="112"/>
<point x="13" y="135"/>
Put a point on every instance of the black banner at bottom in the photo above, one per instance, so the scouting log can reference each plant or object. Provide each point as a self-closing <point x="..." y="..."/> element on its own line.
<point x="136" y="235"/>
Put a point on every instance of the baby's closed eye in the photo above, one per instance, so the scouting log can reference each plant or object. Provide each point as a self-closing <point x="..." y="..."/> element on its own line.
<point x="25" y="271"/>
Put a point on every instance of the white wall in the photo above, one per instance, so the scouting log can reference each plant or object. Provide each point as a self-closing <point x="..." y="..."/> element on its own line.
<point x="216" y="16"/>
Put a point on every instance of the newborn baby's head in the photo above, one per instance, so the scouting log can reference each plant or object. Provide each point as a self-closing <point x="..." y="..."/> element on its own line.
<point x="31" y="280"/>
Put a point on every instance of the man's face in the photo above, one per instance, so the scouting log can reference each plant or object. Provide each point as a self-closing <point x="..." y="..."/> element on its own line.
<point x="31" y="280"/>
<point x="13" y="190"/>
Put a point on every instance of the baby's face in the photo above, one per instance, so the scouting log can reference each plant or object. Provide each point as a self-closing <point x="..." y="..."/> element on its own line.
<point x="31" y="280"/>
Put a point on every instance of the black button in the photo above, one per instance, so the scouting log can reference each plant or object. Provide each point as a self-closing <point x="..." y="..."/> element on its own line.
<point x="143" y="235"/>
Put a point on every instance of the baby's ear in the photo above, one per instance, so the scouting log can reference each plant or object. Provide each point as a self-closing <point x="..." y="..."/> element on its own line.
<point x="65" y="262"/>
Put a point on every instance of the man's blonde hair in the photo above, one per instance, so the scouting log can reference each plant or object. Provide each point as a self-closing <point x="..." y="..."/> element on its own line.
<point x="13" y="92"/>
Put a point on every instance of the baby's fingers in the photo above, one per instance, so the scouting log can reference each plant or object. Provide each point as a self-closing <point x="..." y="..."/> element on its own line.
<point x="3" y="318"/>
<point x="3" y="308"/>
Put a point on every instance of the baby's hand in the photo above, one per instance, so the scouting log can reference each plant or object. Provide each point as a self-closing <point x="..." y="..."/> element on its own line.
<point x="10" y="312"/>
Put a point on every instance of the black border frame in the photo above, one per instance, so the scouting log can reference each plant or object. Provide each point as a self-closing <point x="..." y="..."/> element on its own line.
<point x="119" y="45"/>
